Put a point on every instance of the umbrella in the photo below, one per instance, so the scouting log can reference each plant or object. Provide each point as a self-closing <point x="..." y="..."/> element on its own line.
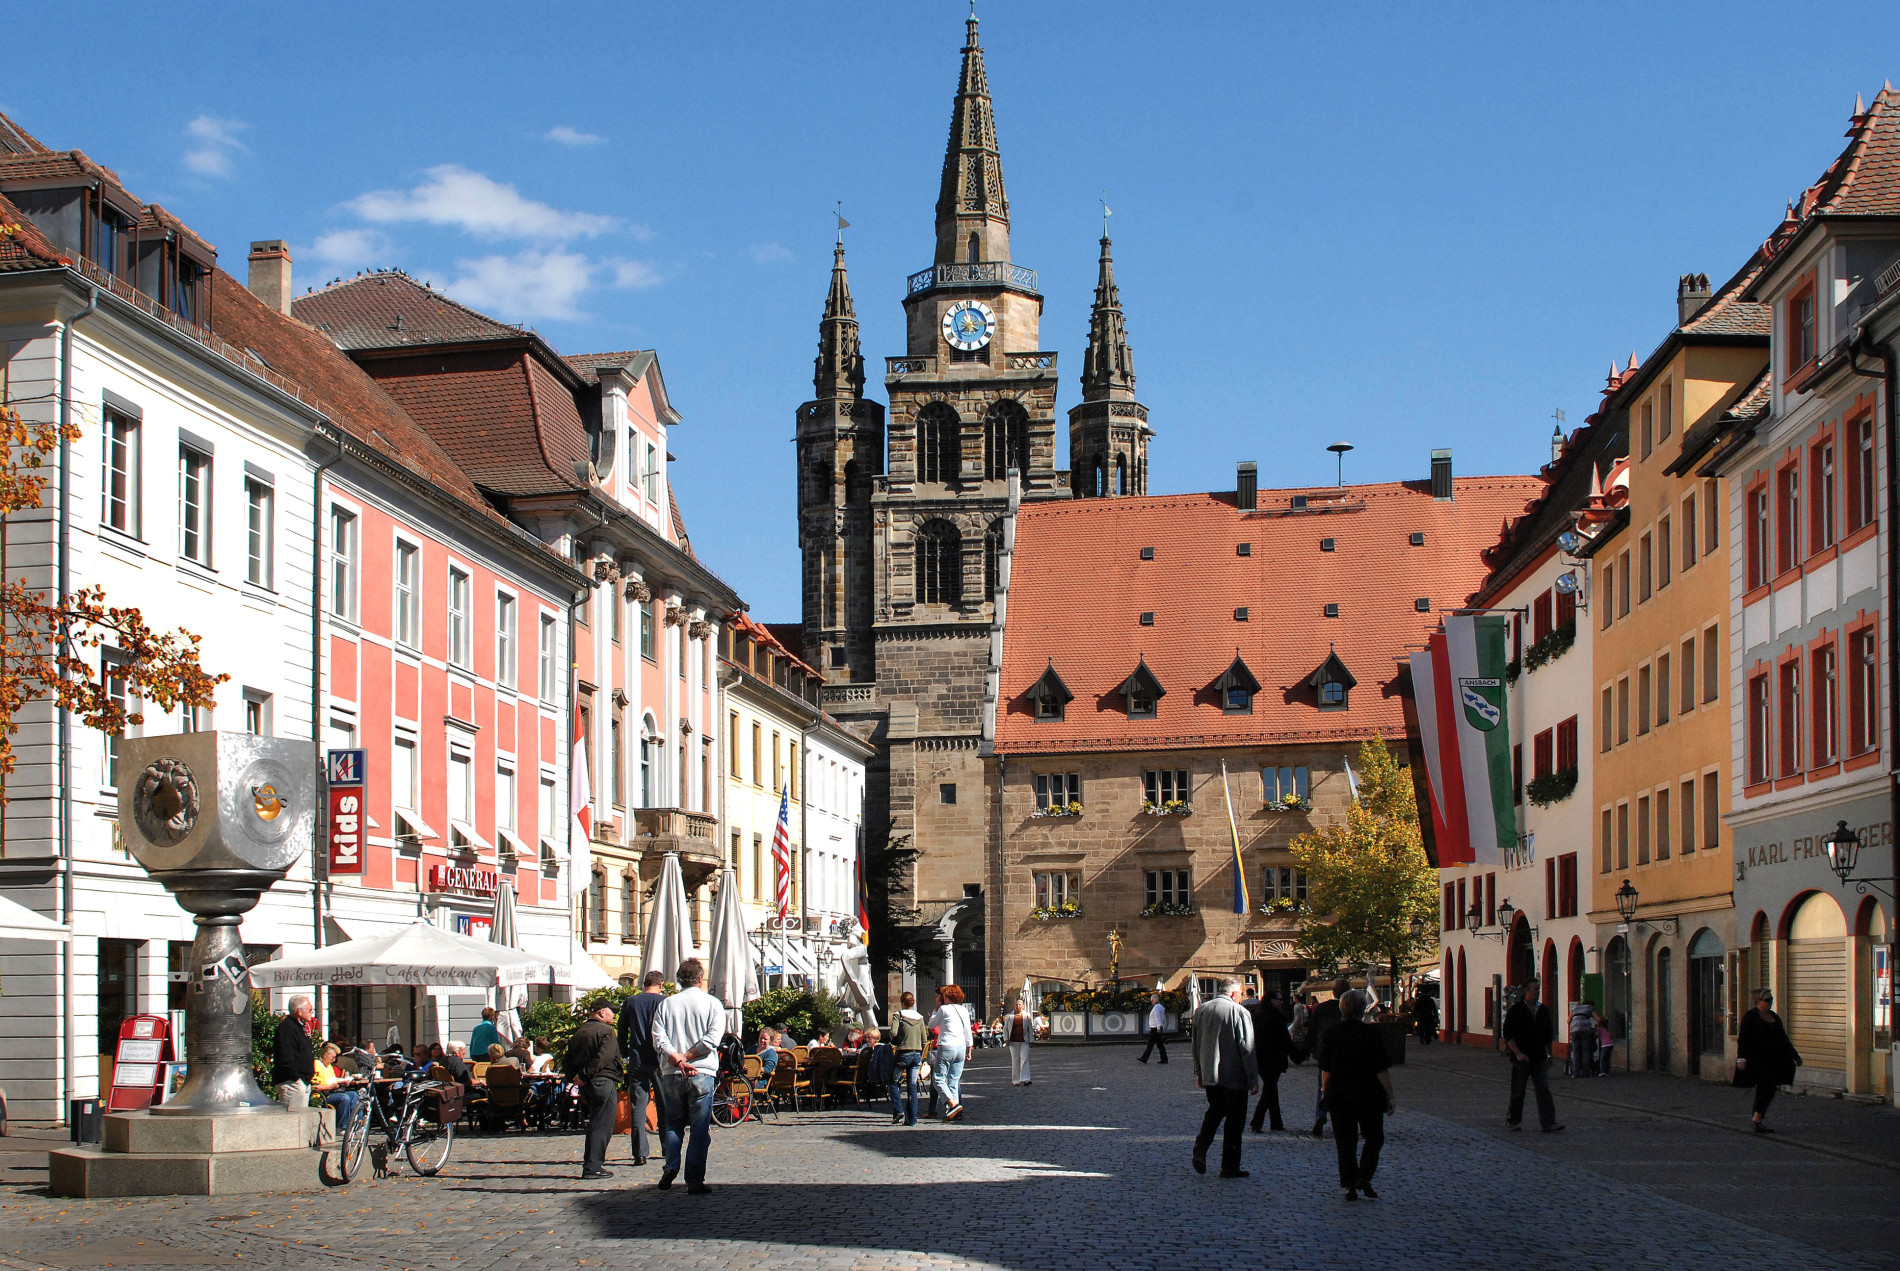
<point x="1194" y="993"/>
<point x="507" y="934"/>
<point x="420" y="953"/>
<point x="730" y="978"/>
<point x="668" y="943"/>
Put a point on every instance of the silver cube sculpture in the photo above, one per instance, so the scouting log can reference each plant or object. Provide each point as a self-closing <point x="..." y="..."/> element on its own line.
<point x="217" y="818"/>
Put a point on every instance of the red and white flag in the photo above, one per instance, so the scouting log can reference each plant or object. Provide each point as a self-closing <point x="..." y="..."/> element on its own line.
<point x="580" y="790"/>
<point x="782" y="853"/>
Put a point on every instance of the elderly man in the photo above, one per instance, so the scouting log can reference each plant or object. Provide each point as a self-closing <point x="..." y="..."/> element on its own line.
<point x="1225" y="1067"/>
<point x="293" y="1061"/>
<point x="593" y="1064"/>
<point x="686" y="1032"/>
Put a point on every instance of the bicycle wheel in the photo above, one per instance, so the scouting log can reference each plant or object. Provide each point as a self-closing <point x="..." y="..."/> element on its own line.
<point x="732" y="1102"/>
<point x="355" y="1140"/>
<point x="428" y="1146"/>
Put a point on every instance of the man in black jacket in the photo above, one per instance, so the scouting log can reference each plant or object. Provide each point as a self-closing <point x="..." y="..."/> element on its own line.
<point x="1270" y="1047"/>
<point x="293" y="1061"/>
<point x="593" y="1063"/>
<point x="636" y="1047"/>
<point x="1527" y="1033"/>
<point x="1325" y="1015"/>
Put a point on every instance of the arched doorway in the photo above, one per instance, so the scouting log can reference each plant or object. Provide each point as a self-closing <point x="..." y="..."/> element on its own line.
<point x="1521" y="965"/>
<point x="1814" y="1002"/>
<point x="1448" y="997"/>
<point x="1548" y="987"/>
<point x="1462" y="993"/>
<point x="1617" y="990"/>
<point x="1707" y="1035"/>
<point x="1573" y="978"/>
<point x="1875" y="1036"/>
<point x="1662" y="1000"/>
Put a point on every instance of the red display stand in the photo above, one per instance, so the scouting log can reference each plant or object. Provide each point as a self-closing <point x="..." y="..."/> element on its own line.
<point x="138" y="1068"/>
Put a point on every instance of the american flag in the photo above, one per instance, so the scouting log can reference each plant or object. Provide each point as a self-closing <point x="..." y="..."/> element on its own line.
<point x="782" y="852"/>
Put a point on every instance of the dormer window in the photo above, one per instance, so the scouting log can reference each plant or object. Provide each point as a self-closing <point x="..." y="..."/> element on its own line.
<point x="1142" y="691"/>
<point x="1332" y="683"/>
<point x="1235" y="688"/>
<point x="1049" y="697"/>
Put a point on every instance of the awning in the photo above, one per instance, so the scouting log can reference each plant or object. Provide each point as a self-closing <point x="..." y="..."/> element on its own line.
<point x="17" y="922"/>
<point x="583" y="973"/>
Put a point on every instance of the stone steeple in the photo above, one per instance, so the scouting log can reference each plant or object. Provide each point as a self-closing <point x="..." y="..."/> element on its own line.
<point x="840" y="364"/>
<point x="972" y="210"/>
<point x="1108" y="369"/>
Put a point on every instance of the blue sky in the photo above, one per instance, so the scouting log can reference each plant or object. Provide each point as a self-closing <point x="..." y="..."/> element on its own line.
<point x="1401" y="227"/>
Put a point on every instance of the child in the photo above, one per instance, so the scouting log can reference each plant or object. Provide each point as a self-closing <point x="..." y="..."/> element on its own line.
<point x="1605" y="1044"/>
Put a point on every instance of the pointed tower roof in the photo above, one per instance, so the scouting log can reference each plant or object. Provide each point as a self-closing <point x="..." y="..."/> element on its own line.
<point x="1108" y="369"/>
<point x="840" y="364"/>
<point x="971" y="199"/>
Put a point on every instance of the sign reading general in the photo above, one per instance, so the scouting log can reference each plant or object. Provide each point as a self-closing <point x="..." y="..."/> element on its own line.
<point x="481" y="882"/>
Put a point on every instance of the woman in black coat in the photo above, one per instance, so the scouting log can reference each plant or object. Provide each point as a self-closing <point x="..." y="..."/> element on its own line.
<point x="1764" y="1057"/>
<point x="1270" y="1047"/>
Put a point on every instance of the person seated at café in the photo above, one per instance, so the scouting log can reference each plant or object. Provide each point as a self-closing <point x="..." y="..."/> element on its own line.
<point x="523" y="1054"/>
<point x="543" y="1058"/>
<point x="497" y="1057"/>
<point x="766" y="1048"/>
<point x="424" y="1056"/>
<point x="456" y="1061"/>
<point x="331" y="1089"/>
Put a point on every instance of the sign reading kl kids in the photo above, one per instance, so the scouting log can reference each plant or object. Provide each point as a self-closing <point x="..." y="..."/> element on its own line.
<point x="1466" y="736"/>
<point x="347" y="772"/>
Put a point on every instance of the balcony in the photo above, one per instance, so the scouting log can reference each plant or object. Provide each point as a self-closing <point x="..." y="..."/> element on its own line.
<point x="694" y="835"/>
<point x="982" y="273"/>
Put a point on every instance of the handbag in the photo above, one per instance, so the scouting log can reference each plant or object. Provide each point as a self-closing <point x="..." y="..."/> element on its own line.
<point x="923" y="1074"/>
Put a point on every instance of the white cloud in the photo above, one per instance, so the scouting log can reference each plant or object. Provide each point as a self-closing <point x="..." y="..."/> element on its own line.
<point x="453" y="195"/>
<point x="770" y="253"/>
<point x="573" y="136"/>
<point x="634" y="273"/>
<point x="529" y="284"/>
<point x="348" y="248"/>
<point x="214" y="142"/>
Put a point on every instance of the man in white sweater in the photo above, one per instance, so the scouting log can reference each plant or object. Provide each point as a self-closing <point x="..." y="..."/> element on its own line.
<point x="686" y="1033"/>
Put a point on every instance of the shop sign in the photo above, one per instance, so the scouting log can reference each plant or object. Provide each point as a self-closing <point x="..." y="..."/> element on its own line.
<point x="1808" y="847"/>
<point x="478" y="882"/>
<point x="475" y="926"/>
<point x="346" y="771"/>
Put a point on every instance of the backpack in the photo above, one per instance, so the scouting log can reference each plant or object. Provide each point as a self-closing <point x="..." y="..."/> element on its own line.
<point x="731" y="1056"/>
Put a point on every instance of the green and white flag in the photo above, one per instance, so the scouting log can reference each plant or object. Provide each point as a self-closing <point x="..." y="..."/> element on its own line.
<point x="1475" y="651"/>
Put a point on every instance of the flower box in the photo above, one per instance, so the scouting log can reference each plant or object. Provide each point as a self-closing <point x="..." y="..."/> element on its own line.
<point x="1292" y="803"/>
<point x="1044" y="814"/>
<point x="1047" y="913"/>
<point x="1166" y="809"/>
<point x="1160" y="910"/>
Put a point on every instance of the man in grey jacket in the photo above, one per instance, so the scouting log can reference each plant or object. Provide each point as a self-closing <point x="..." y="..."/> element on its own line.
<point x="686" y="1032"/>
<point x="1225" y="1067"/>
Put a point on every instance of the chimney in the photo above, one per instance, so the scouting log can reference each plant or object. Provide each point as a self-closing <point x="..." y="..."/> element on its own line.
<point x="1441" y="474"/>
<point x="1556" y="443"/>
<point x="1246" y="486"/>
<point x="1692" y="292"/>
<point x="270" y="273"/>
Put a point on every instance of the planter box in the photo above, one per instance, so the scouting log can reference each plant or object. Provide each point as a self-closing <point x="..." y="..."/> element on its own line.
<point x="1068" y="1024"/>
<point x="1115" y="1024"/>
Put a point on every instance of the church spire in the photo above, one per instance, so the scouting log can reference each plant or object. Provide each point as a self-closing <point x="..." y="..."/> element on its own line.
<point x="972" y="210"/>
<point x="1108" y="369"/>
<point x="840" y="364"/>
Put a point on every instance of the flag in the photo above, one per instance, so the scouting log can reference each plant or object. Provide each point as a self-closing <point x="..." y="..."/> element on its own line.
<point x="1352" y="781"/>
<point x="1243" y="903"/>
<point x="580" y="791"/>
<point x="864" y="896"/>
<point x="782" y="853"/>
<point x="1465" y="728"/>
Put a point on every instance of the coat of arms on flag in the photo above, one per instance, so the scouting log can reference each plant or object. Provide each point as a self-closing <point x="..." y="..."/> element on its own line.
<point x="1484" y="702"/>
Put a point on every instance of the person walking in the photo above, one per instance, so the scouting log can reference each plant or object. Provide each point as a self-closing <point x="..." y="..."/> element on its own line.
<point x="1270" y="1047"/>
<point x="1764" y="1056"/>
<point x="293" y="1062"/>
<point x="1358" y="1094"/>
<point x="593" y="1064"/>
<point x="952" y="1022"/>
<point x="1425" y="1017"/>
<point x="1321" y="1020"/>
<point x="635" y="1032"/>
<point x="1157" y="1029"/>
<point x="1224" y="1067"/>
<point x="1527" y="1030"/>
<point x="1020" y="1028"/>
<point x="484" y="1034"/>
<point x="1583" y="1039"/>
<point x="687" y="1030"/>
<point x="909" y="1036"/>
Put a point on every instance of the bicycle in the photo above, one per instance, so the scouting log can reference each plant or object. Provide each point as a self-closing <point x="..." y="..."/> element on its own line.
<point x="424" y="1141"/>
<point x="732" y="1099"/>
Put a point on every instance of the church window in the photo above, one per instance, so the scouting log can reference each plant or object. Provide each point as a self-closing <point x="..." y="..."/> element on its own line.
<point x="1005" y="440"/>
<point x="939" y="563"/>
<point x="1100" y="483"/>
<point x="939" y="443"/>
<point x="992" y="558"/>
<point x="1121" y="474"/>
<point x="975" y="250"/>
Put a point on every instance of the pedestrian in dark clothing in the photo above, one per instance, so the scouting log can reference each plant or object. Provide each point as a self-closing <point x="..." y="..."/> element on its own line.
<point x="1527" y="1032"/>
<point x="1224" y="1067"/>
<point x="1425" y="1018"/>
<point x="593" y="1063"/>
<point x="1324" y="1018"/>
<point x="293" y="1060"/>
<point x="1157" y="1029"/>
<point x="636" y="1047"/>
<point x="1358" y="1094"/>
<point x="1270" y="1047"/>
<point x="1764" y="1057"/>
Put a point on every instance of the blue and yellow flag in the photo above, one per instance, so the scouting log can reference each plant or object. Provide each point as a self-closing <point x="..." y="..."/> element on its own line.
<point x="1243" y="902"/>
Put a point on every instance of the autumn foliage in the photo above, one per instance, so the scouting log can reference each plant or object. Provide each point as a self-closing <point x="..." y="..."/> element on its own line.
<point x="50" y="649"/>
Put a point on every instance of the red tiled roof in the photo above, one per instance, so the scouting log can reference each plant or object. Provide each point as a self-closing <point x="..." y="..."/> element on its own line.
<point x="767" y="636"/>
<point x="1727" y="313"/>
<point x="157" y="217"/>
<point x="1078" y="587"/>
<point x="387" y="308"/>
<point x="22" y="246"/>
<point x="588" y="363"/>
<point x="54" y="164"/>
<point x="1863" y="180"/>
<point x="679" y="523"/>
<point x="17" y="139"/>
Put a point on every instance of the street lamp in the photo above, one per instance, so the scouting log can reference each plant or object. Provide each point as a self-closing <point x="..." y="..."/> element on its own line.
<point x="1626" y="896"/>
<point x="1474" y="922"/>
<point x="1843" y="854"/>
<point x="1506" y="912"/>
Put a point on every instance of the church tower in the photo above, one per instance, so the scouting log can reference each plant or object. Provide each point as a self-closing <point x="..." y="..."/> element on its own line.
<point x="1108" y="432"/>
<point x="840" y="453"/>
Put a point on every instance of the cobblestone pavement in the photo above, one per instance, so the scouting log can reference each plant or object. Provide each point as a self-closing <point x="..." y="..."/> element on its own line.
<point x="1085" y="1169"/>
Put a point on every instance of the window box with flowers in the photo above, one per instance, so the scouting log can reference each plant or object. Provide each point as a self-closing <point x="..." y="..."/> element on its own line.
<point x="1067" y="909"/>
<point x="1291" y="803"/>
<point x="1168" y="909"/>
<point x="1173" y="807"/>
<point x="1551" y="647"/>
<point x="1055" y="810"/>
<point x="1552" y="787"/>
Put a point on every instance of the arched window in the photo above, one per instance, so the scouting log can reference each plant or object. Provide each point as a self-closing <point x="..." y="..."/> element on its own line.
<point x="597" y="907"/>
<point x="1121" y="474"/>
<point x="975" y="253"/>
<point x="939" y="563"/>
<point x="1099" y="485"/>
<point x="939" y="443"/>
<point x="992" y="558"/>
<point x="648" y="745"/>
<point x="1005" y="440"/>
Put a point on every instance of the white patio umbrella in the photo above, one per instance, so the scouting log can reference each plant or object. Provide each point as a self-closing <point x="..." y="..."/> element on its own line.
<point x="669" y="941"/>
<point x="1194" y="993"/>
<point x="731" y="978"/>
<point x="420" y="954"/>
<point x="506" y="933"/>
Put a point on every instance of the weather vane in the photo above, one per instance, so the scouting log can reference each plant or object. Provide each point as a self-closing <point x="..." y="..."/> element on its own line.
<point x="1107" y="211"/>
<point x="843" y="224"/>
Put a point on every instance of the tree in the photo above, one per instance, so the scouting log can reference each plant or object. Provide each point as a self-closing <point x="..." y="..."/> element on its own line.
<point x="895" y="931"/>
<point x="1368" y="879"/>
<point x="48" y="646"/>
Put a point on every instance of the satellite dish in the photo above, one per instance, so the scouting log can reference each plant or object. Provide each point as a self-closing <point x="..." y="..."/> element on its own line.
<point x="1567" y="584"/>
<point x="1570" y="541"/>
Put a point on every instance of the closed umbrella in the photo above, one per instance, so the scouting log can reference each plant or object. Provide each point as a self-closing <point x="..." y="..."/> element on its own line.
<point x="731" y="978"/>
<point x="508" y="999"/>
<point x="668" y="940"/>
<point x="1194" y="993"/>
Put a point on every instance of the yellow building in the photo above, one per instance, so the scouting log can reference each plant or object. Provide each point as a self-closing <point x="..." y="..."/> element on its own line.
<point x="1659" y="599"/>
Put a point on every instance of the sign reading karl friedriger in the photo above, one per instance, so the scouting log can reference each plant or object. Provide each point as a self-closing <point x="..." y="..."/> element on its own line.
<point x="1811" y="846"/>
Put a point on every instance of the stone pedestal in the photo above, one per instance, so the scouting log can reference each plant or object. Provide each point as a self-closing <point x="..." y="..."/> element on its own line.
<point x="208" y="1155"/>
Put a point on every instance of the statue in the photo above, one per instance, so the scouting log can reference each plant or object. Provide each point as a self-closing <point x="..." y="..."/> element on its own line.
<point x="1115" y="955"/>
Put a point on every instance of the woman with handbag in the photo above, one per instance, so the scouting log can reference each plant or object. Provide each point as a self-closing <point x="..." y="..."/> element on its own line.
<point x="952" y="1022"/>
<point x="1764" y="1057"/>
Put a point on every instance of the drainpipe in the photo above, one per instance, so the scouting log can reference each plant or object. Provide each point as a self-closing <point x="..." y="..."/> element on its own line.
<point x="804" y="843"/>
<point x="70" y="1074"/>
<point x="319" y="860"/>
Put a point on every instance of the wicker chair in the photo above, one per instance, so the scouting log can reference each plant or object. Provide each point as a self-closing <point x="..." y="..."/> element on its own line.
<point x="847" y="1078"/>
<point x="762" y="1099"/>
<point x="786" y="1083"/>
<point x="506" y="1106"/>
<point x="825" y="1060"/>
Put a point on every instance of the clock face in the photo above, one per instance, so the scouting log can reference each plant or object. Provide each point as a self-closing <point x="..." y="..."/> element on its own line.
<point x="969" y="324"/>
